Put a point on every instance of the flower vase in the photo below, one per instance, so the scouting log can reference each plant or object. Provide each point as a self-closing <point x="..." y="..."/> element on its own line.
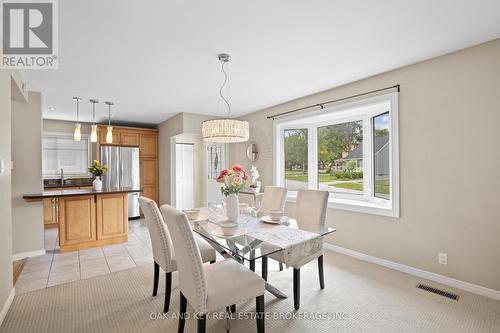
<point x="232" y="207"/>
<point x="97" y="183"/>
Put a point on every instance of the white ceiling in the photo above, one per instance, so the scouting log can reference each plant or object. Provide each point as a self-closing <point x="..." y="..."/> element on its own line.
<point x="158" y="58"/>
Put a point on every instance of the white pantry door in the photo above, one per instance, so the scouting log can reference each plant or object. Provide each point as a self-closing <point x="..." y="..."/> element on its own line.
<point x="184" y="176"/>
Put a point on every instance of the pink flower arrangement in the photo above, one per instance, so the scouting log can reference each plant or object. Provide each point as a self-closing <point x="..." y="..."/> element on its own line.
<point x="234" y="179"/>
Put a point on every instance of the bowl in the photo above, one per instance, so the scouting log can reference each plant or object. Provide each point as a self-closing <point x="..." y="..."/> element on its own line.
<point x="192" y="214"/>
<point x="276" y="215"/>
<point x="229" y="228"/>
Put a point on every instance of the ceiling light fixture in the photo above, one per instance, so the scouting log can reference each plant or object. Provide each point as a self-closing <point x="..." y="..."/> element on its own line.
<point x="93" y="132"/>
<point x="77" y="136"/>
<point x="109" y="133"/>
<point x="225" y="130"/>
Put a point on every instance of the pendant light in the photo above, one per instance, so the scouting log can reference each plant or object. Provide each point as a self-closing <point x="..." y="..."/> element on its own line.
<point x="77" y="136"/>
<point x="93" y="132"/>
<point x="225" y="130"/>
<point x="109" y="133"/>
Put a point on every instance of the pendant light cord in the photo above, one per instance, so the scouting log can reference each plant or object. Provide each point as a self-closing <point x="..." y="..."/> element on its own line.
<point x="77" y="110"/>
<point x="222" y="87"/>
<point x="109" y="114"/>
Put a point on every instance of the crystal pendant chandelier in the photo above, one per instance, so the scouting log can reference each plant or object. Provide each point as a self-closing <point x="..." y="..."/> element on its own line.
<point x="93" y="132"/>
<point x="225" y="130"/>
<point x="77" y="136"/>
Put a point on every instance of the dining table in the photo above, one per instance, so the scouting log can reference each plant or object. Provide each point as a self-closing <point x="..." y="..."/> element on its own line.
<point x="256" y="239"/>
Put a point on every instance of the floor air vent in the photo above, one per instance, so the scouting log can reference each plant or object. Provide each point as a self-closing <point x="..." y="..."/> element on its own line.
<point x="438" y="291"/>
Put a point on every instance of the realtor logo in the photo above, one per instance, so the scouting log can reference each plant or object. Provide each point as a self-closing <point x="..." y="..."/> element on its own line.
<point x="29" y="34"/>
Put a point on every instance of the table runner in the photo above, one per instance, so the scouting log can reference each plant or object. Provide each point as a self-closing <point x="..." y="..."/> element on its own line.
<point x="297" y="244"/>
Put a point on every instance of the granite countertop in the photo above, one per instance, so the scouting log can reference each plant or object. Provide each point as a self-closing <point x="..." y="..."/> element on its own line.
<point x="67" y="193"/>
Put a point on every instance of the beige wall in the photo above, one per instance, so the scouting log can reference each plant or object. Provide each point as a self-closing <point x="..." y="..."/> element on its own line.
<point x="168" y="129"/>
<point x="27" y="217"/>
<point x="449" y="112"/>
<point x="62" y="126"/>
<point x="5" y="190"/>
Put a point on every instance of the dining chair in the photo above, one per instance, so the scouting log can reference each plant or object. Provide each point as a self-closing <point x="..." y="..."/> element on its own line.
<point x="163" y="253"/>
<point x="208" y="288"/>
<point x="273" y="199"/>
<point x="310" y="210"/>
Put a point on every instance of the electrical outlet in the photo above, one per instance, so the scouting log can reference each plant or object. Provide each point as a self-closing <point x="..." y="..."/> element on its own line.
<point x="443" y="258"/>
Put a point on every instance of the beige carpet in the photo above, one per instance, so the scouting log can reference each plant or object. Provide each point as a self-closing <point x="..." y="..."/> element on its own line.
<point x="359" y="297"/>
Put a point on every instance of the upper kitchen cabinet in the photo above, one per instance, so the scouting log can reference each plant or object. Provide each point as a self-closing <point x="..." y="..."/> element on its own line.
<point x="129" y="138"/>
<point x="148" y="145"/>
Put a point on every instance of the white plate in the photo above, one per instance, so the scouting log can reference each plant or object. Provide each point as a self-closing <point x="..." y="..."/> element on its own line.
<point x="218" y="233"/>
<point x="267" y="219"/>
<point x="200" y="218"/>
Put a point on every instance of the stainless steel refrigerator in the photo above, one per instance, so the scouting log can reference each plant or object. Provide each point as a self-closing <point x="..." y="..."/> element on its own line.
<point x="123" y="171"/>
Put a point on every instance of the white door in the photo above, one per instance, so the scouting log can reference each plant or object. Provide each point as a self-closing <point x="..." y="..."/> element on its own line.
<point x="184" y="176"/>
<point x="216" y="159"/>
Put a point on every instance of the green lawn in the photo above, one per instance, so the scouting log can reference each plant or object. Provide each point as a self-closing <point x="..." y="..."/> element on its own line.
<point x="350" y="185"/>
<point x="381" y="186"/>
<point x="301" y="177"/>
<point x="297" y="175"/>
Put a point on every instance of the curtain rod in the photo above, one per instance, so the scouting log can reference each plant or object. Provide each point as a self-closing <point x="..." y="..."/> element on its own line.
<point x="321" y="105"/>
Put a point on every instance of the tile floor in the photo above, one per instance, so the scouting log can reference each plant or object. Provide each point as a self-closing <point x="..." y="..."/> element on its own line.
<point x="55" y="268"/>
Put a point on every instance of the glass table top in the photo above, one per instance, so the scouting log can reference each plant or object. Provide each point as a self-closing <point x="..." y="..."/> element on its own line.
<point x="254" y="238"/>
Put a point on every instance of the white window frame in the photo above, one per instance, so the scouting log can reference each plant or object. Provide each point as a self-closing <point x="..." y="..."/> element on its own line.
<point x="69" y="135"/>
<point x="338" y="114"/>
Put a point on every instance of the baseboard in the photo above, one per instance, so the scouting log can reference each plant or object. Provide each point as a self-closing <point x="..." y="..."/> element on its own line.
<point x="473" y="288"/>
<point x="22" y="255"/>
<point x="7" y="305"/>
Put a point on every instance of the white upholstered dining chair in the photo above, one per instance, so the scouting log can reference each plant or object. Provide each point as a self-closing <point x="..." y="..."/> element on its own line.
<point x="273" y="199"/>
<point x="163" y="253"/>
<point x="310" y="210"/>
<point x="208" y="288"/>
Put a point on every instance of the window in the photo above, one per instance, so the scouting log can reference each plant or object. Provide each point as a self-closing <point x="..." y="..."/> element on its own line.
<point x="60" y="151"/>
<point x="350" y="150"/>
<point x="295" y="142"/>
<point x="340" y="157"/>
<point x="381" y="155"/>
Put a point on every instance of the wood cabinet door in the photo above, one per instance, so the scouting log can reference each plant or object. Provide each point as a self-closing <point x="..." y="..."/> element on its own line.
<point x="148" y="172"/>
<point x="77" y="220"/>
<point x="148" y="145"/>
<point x="112" y="215"/>
<point x="129" y="139"/>
<point x="149" y="192"/>
<point x="49" y="211"/>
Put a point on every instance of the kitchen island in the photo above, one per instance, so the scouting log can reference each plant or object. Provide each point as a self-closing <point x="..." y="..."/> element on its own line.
<point x="89" y="218"/>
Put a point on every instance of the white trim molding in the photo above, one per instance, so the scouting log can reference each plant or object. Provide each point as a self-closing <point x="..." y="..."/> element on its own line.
<point x="473" y="288"/>
<point x="29" y="254"/>
<point x="7" y="305"/>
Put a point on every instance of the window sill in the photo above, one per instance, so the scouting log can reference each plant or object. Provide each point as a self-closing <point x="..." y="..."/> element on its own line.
<point x="358" y="206"/>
